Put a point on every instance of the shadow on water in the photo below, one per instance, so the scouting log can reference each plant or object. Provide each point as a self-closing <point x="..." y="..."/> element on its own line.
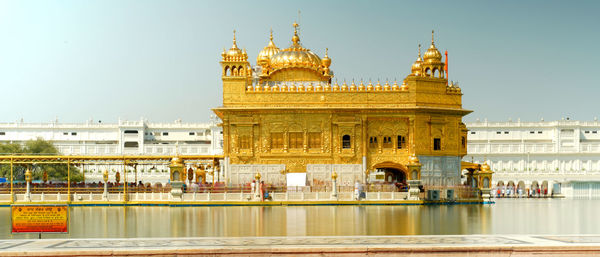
<point x="507" y="216"/>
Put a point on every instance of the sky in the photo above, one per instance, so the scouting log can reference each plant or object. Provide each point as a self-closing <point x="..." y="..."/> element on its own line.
<point x="159" y="60"/>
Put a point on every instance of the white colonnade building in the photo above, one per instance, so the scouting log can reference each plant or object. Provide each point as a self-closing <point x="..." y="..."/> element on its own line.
<point x="559" y="157"/>
<point x="122" y="138"/>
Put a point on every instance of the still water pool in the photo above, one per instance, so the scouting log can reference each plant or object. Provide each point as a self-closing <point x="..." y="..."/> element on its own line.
<point x="507" y="216"/>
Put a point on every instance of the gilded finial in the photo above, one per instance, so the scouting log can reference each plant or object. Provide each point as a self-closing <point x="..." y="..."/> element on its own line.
<point x="419" y="50"/>
<point x="271" y="31"/>
<point x="295" y="38"/>
<point x="234" y="42"/>
<point x="326" y="51"/>
<point x="432" y="37"/>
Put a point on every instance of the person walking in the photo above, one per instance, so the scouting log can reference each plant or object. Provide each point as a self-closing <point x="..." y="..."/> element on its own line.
<point x="262" y="190"/>
<point x="356" y="191"/>
<point x="253" y="187"/>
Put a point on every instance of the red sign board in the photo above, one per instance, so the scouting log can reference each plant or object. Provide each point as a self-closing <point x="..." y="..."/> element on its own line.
<point x="39" y="218"/>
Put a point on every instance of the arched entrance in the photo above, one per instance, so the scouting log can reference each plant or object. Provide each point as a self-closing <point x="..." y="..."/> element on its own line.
<point x="394" y="172"/>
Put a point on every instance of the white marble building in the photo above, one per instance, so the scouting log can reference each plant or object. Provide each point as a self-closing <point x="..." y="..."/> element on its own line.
<point x="560" y="156"/>
<point x="123" y="138"/>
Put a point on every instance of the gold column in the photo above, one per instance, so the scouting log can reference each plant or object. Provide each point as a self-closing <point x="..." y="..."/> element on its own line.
<point x="124" y="180"/>
<point x="69" y="180"/>
<point x="11" y="181"/>
<point x="226" y="136"/>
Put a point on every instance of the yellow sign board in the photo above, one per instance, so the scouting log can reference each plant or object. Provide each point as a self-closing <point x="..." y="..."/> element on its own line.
<point x="39" y="218"/>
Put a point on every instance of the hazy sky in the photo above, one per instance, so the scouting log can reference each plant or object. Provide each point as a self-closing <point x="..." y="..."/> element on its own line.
<point x="77" y="60"/>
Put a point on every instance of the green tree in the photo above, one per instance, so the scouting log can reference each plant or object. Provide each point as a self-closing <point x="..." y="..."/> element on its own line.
<point x="56" y="172"/>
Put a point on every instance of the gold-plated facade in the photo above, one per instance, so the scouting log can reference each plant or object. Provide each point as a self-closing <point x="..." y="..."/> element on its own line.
<point x="290" y="114"/>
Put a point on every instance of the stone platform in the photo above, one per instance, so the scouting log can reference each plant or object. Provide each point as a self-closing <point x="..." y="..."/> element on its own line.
<point x="454" y="245"/>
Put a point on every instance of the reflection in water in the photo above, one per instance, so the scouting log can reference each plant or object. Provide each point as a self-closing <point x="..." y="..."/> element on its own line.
<point x="507" y="216"/>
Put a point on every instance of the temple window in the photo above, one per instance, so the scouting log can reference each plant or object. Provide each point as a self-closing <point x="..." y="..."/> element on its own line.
<point x="373" y="142"/>
<point x="346" y="142"/>
<point x="401" y="142"/>
<point x="387" y="142"/>
<point x="464" y="142"/>
<point x="314" y="140"/>
<point x="245" y="142"/>
<point x="276" y="140"/>
<point x="296" y="140"/>
<point x="131" y="144"/>
<point x="437" y="144"/>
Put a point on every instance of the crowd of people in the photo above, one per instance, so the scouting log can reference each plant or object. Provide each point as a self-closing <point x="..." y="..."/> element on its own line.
<point x="518" y="192"/>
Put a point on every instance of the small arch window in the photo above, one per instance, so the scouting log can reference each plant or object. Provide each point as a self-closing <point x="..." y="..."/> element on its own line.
<point x="346" y="143"/>
<point x="437" y="144"/>
<point x="373" y="142"/>
<point x="401" y="142"/>
<point x="387" y="142"/>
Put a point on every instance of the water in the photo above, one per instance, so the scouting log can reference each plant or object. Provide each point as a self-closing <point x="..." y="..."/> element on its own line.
<point x="507" y="216"/>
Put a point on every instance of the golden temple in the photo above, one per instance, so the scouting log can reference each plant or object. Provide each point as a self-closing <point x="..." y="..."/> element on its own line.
<point x="284" y="115"/>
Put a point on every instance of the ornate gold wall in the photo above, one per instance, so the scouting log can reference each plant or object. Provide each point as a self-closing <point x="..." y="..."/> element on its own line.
<point x="295" y="116"/>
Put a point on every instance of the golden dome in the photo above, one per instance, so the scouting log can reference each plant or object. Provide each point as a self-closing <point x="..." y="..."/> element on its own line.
<point x="176" y="161"/>
<point x="234" y="53"/>
<point x="404" y="87"/>
<point x="265" y="55"/>
<point x="326" y="61"/>
<point x="295" y="56"/>
<point x="234" y="50"/>
<point x="432" y="55"/>
<point x="485" y="167"/>
<point x="395" y="87"/>
<point x="413" y="159"/>
<point x="361" y="87"/>
<point x="416" y="67"/>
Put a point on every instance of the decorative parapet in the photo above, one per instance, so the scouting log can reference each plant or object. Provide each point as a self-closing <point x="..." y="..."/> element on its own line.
<point x="315" y="87"/>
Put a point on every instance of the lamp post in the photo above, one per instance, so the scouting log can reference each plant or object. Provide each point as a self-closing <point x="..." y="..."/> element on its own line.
<point x="28" y="179"/>
<point x="105" y="178"/>
<point x="257" y="189"/>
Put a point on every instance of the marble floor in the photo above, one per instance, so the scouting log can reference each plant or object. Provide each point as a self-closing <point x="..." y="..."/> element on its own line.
<point x="323" y="245"/>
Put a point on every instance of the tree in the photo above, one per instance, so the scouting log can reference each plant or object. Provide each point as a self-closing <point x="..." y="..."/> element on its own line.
<point x="56" y="172"/>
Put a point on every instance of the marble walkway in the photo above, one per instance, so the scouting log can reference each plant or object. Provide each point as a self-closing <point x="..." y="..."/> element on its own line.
<point x="452" y="245"/>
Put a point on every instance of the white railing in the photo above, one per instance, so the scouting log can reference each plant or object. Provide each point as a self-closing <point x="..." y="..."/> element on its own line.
<point x="192" y="197"/>
<point x="479" y="148"/>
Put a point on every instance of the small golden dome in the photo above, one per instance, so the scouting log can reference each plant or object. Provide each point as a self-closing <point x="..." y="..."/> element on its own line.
<point x="234" y="50"/>
<point x="413" y="159"/>
<point x="264" y="56"/>
<point x="378" y="86"/>
<point x="386" y="87"/>
<point x="432" y="55"/>
<point x="309" y="87"/>
<point x="485" y="167"/>
<point x="326" y="61"/>
<point x="300" y="88"/>
<point x="416" y="67"/>
<point x="344" y="86"/>
<point x="335" y="86"/>
<point x="370" y="86"/>
<point x="404" y="87"/>
<point x="176" y="161"/>
<point x="353" y="86"/>
<point x="395" y="87"/>
<point x="361" y="87"/>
